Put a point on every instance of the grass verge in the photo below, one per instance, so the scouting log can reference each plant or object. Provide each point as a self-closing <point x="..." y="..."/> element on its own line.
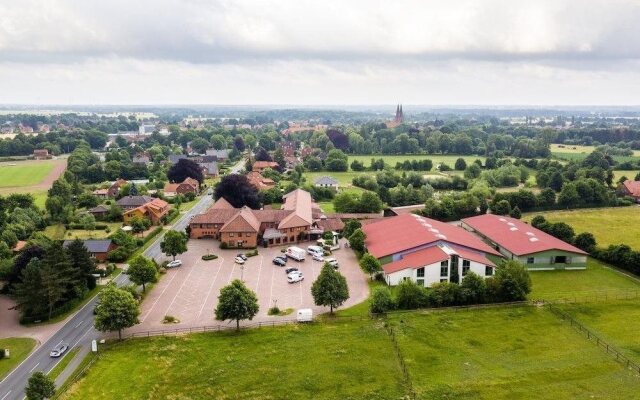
<point x="19" y="349"/>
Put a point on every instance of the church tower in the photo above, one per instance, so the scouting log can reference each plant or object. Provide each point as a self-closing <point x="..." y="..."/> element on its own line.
<point x="399" y="115"/>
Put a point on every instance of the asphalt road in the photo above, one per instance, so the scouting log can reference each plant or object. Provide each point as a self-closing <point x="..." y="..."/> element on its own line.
<point x="79" y="330"/>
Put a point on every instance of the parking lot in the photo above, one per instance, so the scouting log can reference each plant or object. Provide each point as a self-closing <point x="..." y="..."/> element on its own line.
<point x="190" y="292"/>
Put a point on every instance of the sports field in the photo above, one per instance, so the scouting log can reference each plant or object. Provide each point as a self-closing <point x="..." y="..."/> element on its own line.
<point x="32" y="176"/>
<point x="609" y="225"/>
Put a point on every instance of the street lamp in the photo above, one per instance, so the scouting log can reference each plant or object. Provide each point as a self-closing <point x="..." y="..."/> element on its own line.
<point x="242" y="273"/>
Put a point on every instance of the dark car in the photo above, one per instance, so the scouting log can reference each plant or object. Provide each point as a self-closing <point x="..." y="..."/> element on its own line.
<point x="279" y="261"/>
<point x="290" y="270"/>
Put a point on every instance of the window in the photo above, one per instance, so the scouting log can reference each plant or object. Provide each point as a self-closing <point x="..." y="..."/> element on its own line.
<point x="443" y="280"/>
<point x="466" y="263"/>
<point x="465" y="270"/>
<point x="231" y="234"/>
<point x="420" y="282"/>
<point x="444" y="269"/>
<point x="248" y="234"/>
<point x="530" y="260"/>
<point x="488" y="271"/>
<point x="420" y="273"/>
<point x="239" y="234"/>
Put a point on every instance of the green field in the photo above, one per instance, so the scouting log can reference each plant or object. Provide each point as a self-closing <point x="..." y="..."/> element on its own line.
<point x="351" y="360"/>
<point x="24" y="173"/>
<point x="577" y="149"/>
<point x="619" y="174"/>
<point x="395" y="158"/>
<point x="595" y="282"/>
<point x="19" y="349"/>
<point x="58" y="232"/>
<point x="617" y="322"/>
<point x="506" y="353"/>
<point x="609" y="225"/>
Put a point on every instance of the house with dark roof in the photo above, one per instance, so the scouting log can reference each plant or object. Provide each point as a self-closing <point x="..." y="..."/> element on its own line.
<point x="210" y="169"/>
<point x="131" y="202"/>
<point x="221" y="155"/>
<point x="97" y="248"/>
<point x="99" y="212"/>
<point x="630" y="188"/>
<point x="517" y="240"/>
<point x="174" y="158"/>
<point x="326" y="182"/>
<point x="427" y="251"/>
<point x="244" y="227"/>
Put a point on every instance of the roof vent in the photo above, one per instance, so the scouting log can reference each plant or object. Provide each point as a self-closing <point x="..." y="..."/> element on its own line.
<point x="502" y="219"/>
<point x="513" y="228"/>
<point x="441" y="236"/>
<point x="531" y="234"/>
<point x="429" y="225"/>
<point x="434" y="230"/>
<point x="511" y="224"/>
<point x="533" y="239"/>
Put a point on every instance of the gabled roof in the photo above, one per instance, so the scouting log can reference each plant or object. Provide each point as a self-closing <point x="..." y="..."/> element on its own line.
<point x="93" y="246"/>
<point x="633" y="187"/>
<point x="326" y="180"/>
<point x="222" y="203"/>
<point x="299" y="201"/>
<point x="210" y="167"/>
<point x="190" y="181"/>
<point x="171" y="187"/>
<point x="516" y="236"/>
<point x="397" y="234"/>
<point x="242" y="221"/>
<point x="420" y="258"/>
<point x="218" y="153"/>
<point x="265" y="164"/>
<point x="98" y="209"/>
<point x="134" y="201"/>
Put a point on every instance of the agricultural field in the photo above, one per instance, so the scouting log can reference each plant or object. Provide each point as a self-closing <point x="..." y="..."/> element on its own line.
<point x="577" y="149"/>
<point x="344" y="360"/>
<point x="19" y="349"/>
<point x="31" y="176"/>
<point x="617" y="322"/>
<point x="609" y="225"/>
<point x="392" y="159"/>
<point x="619" y="174"/>
<point x="506" y="353"/>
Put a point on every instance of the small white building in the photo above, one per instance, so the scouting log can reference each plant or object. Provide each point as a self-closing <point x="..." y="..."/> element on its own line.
<point x="326" y="181"/>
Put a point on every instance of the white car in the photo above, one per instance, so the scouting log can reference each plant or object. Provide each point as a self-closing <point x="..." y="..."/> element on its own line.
<point x="59" y="350"/>
<point x="239" y="260"/>
<point x="332" y="261"/>
<point x="295" y="277"/>
<point x="174" y="264"/>
<point x="317" y="257"/>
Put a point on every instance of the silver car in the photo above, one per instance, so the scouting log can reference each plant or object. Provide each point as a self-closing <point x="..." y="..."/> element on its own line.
<point x="59" y="350"/>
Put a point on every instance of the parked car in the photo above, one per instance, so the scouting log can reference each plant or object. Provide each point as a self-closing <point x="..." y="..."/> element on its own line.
<point x="239" y="260"/>
<point x="332" y="261"/>
<point x="59" y="350"/>
<point x="241" y="255"/>
<point x="290" y="270"/>
<point x="174" y="264"/>
<point x="315" y="250"/>
<point x="295" y="277"/>
<point x="317" y="257"/>
<point x="279" y="262"/>
<point x="282" y="257"/>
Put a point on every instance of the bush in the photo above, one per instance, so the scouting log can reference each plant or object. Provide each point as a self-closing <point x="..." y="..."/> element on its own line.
<point x="410" y="295"/>
<point x="224" y="245"/>
<point x="209" y="257"/>
<point x="170" y="319"/>
<point x="274" y="310"/>
<point x="2" y="354"/>
<point x="381" y="301"/>
<point x="118" y="255"/>
<point x="252" y="253"/>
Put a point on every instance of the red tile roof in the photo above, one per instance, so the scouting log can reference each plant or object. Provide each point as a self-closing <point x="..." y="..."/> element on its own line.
<point x="516" y="236"/>
<point x="633" y="187"/>
<point x="404" y="232"/>
<point x="472" y="256"/>
<point x="418" y="259"/>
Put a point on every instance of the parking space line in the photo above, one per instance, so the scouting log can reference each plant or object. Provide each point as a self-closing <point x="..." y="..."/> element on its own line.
<point x="159" y="297"/>
<point x="271" y="290"/>
<point x="259" y="272"/>
<point x="193" y="268"/>
<point x="211" y="287"/>
<point x="232" y="269"/>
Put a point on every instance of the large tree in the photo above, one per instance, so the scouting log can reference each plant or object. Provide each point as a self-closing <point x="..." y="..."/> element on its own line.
<point x="330" y="289"/>
<point x="238" y="191"/>
<point x="183" y="169"/>
<point x="370" y="264"/>
<point x="81" y="261"/>
<point x="174" y="243"/>
<point x="116" y="310"/>
<point x="142" y="271"/>
<point x="39" y="387"/>
<point x="236" y="302"/>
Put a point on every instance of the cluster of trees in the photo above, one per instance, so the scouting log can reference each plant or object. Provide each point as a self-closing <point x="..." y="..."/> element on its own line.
<point x="19" y="219"/>
<point x="510" y="283"/>
<point x="88" y="168"/>
<point x="564" y="232"/>
<point x="350" y="202"/>
<point x="394" y="189"/>
<point x="46" y="278"/>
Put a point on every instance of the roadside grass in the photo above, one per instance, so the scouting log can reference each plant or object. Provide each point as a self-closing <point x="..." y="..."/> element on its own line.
<point x="57" y="370"/>
<point x="322" y="361"/>
<point x="612" y="225"/>
<point x="506" y="353"/>
<point x="24" y="173"/>
<point x="615" y="321"/>
<point x="360" y="309"/>
<point x="19" y="349"/>
<point x="393" y="159"/>
<point x="589" y="284"/>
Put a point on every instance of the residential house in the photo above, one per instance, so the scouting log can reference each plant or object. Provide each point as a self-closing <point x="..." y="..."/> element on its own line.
<point x="260" y="166"/>
<point x="426" y="251"/>
<point x="630" y="188"/>
<point x="99" y="212"/>
<point x="146" y="129"/>
<point x="141" y="159"/>
<point x="210" y="169"/>
<point x="517" y="240"/>
<point x="41" y="154"/>
<point x="174" y="158"/>
<point x="131" y="202"/>
<point x="101" y="193"/>
<point x="114" y="189"/>
<point x="97" y="248"/>
<point x="326" y="182"/>
<point x="221" y="155"/>
<point x="189" y="185"/>
<point x="394" y="211"/>
<point x="154" y="210"/>
<point x="259" y="181"/>
<point x="244" y="227"/>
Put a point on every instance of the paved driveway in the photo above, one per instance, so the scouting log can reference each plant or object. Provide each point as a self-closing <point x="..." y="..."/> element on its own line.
<point x="190" y="293"/>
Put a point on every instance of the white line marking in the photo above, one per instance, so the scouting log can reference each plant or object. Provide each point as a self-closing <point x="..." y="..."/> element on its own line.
<point x="231" y="274"/>
<point x="5" y="396"/>
<point x="259" y="272"/>
<point x="34" y="367"/>
<point x="77" y="326"/>
<point x="271" y="290"/>
<point x="180" y="289"/>
<point x="85" y="334"/>
<point x="211" y="287"/>
<point x="158" y="298"/>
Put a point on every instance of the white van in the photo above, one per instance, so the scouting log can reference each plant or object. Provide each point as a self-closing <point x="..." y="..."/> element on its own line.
<point x="296" y="253"/>
<point x="305" y="315"/>
<point x="315" y="250"/>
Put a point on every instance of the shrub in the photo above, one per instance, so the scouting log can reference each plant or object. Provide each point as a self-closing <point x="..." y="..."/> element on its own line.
<point x="252" y="253"/>
<point x="381" y="300"/>
<point x="224" y="245"/>
<point x="170" y="319"/>
<point x="118" y="255"/>
<point x="2" y="354"/>
<point x="209" y="257"/>
<point x="410" y="295"/>
<point x="274" y="310"/>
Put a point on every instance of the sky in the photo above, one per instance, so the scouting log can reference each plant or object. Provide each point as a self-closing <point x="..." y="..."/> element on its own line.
<point x="324" y="52"/>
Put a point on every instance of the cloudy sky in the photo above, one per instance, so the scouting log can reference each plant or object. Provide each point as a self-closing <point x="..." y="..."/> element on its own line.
<point x="483" y="52"/>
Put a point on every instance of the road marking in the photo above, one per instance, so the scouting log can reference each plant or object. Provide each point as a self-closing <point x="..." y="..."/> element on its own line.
<point x="77" y="326"/>
<point x="34" y="367"/>
<point x="85" y="334"/>
<point x="5" y="396"/>
<point x="271" y="290"/>
<point x="211" y="287"/>
<point x="231" y="274"/>
<point x="259" y="272"/>
<point x="158" y="298"/>
<point x="180" y="289"/>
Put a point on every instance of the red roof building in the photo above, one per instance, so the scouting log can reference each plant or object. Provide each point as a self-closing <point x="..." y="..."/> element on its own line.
<point x="517" y="240"/>
<point x="631" y="188"/>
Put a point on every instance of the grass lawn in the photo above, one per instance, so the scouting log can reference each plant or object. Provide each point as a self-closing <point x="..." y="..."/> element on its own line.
<point x="345" y="178"/>
<point x="506" y="353"/>
<point x="393" y="159"/>
<point x="321" y="361"/>
<point x="58" y="232"/>
<point x="571" y="148"/>
<point x="19" y="349"/>
<point x="617" y="322"/>
<point x="24" y="173"/>
<point x="609" y="225"/>
<point x="596" y="280"/>
<point x="619" y="174"/>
